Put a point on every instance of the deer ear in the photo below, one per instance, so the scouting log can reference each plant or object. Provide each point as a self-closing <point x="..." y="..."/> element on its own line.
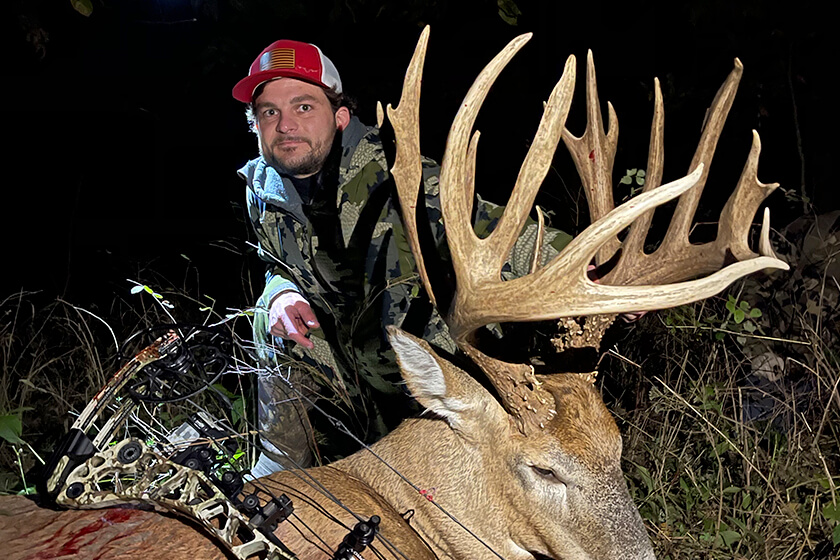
<point x="442" y="387"/>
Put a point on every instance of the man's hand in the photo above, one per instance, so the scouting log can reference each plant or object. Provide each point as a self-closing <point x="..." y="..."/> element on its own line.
<point x="291" y="317"/>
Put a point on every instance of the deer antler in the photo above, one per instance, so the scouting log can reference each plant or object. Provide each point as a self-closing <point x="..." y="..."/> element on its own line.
<point x="562" y="288"/>
<point x="676" y="258"/>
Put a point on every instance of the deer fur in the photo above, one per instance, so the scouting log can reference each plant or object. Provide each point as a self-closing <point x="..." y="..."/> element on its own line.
<point x="558" y="493"/>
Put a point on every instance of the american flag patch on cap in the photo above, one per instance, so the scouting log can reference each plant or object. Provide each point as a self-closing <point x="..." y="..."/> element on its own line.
<point x="278" y="58"/>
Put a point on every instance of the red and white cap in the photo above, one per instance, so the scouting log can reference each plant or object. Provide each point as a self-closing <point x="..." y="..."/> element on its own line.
<point x="288" y="59"/>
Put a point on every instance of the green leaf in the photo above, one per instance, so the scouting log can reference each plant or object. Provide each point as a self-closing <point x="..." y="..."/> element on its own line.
<point x="746" y="501"/>
<point x="835" y="538"/>
<point x="509" y="11"/>
<point x="646" y="478"/>
<point x="224" y="390"/>
<point x="740" y="524"/>
<point x="730" y="305"/>
<point x="832" y="512"/>
<point x="641" y="173"/>
<point x="745" y="306"/>
<point x="84" y="7"/>
<point x="738" y="315"/>
<point x="238" y="411"/>
<point x="11" y="429"/>
<point x="626" y="180"/>
<point x="755" y="313"/>
<point x="749" y="326"/>
<point x="729" y="537"/>
<point x="640" y="180"/>
<point x="20" y="409"/>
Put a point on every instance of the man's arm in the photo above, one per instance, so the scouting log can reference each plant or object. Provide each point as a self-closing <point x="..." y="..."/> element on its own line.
<point x="289" y="314"/>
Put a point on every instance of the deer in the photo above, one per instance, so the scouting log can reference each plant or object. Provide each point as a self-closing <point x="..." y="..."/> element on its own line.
<point x="532" y="469"/>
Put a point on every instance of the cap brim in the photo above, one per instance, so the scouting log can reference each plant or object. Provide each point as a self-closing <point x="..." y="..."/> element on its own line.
<point x="244" y="90"/>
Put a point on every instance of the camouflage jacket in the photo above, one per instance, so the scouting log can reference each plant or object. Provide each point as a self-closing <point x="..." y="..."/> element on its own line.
<point x="356" y="271"/>
<point x="362" y="277"/>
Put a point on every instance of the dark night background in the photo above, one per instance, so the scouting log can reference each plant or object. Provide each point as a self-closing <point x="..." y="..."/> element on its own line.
<point x="123" y="139"/>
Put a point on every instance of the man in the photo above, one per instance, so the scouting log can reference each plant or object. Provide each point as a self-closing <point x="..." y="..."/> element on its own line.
<point x="325" y="212"/>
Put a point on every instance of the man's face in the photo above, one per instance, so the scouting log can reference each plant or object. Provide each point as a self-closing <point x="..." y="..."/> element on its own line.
<point x="296" y="126"/>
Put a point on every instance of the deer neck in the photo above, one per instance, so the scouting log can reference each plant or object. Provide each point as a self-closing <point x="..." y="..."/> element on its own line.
<point x="449" y="471"/>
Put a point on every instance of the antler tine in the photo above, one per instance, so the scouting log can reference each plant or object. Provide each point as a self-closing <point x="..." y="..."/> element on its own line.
<point x="458" y="173"/>
<point x="535" y="166"/>
<point x="594" y="153"/>
<point x="407" y="169"/>
<point x="635" y="241"/>
<point x="764" y="247"/>
<point x="715" y="118"/>
<point x="736" y="217"/>
<point x="536" y="258"/>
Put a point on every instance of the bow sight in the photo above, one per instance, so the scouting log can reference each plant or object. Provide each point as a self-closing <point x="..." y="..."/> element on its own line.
<point x="189" y="471"/>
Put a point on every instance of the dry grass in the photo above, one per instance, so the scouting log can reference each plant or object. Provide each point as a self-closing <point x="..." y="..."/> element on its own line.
<point x="732" y="434"/>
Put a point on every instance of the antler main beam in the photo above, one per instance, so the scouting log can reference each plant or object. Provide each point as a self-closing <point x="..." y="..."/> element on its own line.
<point x="563" y="289"/>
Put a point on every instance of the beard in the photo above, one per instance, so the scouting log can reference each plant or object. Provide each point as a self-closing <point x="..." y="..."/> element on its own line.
<point x="291" y="161"/>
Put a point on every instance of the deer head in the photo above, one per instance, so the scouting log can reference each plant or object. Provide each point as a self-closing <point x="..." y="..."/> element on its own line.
<point x="558" y="492"/>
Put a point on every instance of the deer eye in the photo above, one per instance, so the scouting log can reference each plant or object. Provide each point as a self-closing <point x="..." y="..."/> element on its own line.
<point x="545" y="473"/>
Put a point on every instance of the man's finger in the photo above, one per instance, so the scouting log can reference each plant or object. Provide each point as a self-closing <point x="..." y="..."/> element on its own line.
<point x="302" y="340"/>
<point x="291" y="317"/>
<point x="296" y="328"/>
<point x="307" y="316"/>
<point x="295" y="333"/>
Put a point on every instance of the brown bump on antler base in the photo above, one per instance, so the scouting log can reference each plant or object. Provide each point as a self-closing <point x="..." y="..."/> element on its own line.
<point x="588" y="335"/>
<point x="523" y="396"/>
